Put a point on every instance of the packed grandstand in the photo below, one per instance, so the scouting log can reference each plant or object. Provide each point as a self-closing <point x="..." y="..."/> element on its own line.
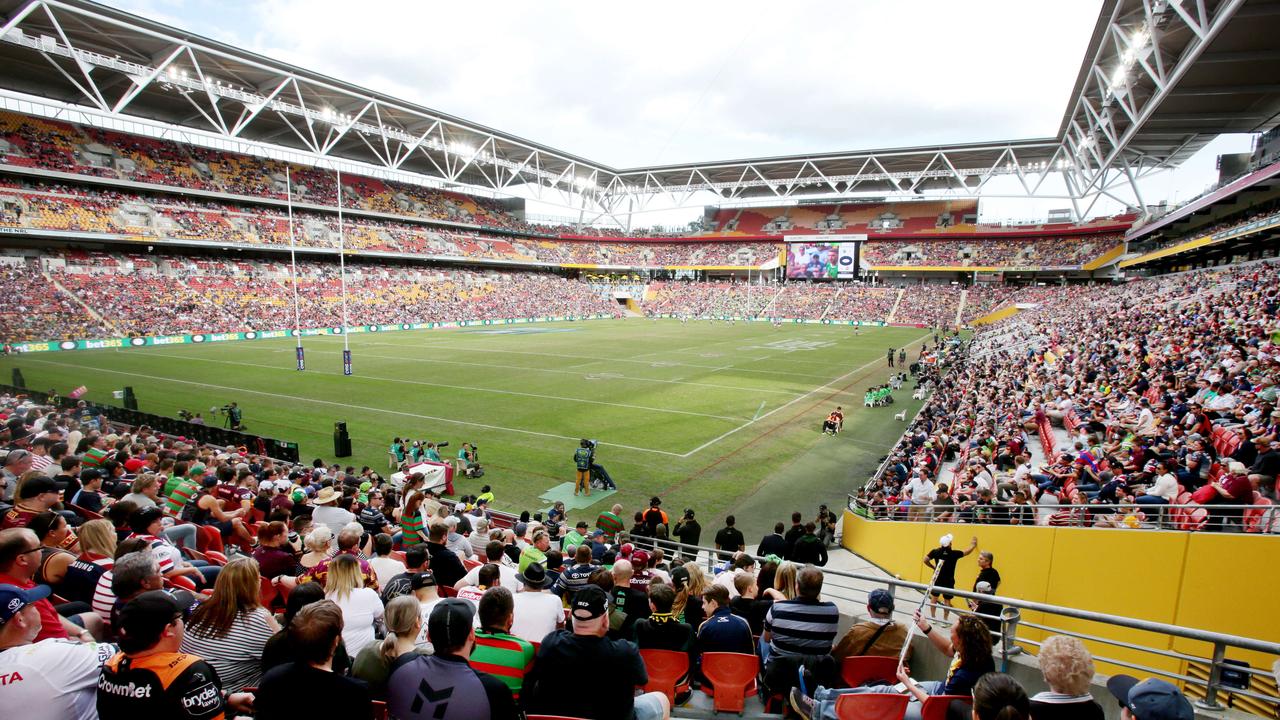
<point x="1113" y="378"/>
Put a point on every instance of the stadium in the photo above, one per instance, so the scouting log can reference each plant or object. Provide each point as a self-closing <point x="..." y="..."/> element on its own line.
<point x="304" y="376"/>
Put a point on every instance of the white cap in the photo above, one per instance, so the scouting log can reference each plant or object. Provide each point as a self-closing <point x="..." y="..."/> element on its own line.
<point x="983" y="587"/>
<point x="945" y="540"/>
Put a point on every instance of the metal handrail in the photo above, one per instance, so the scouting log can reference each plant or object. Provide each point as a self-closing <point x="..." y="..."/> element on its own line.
<point x="1156" y="515"/>
<point x="1011" y="618"/>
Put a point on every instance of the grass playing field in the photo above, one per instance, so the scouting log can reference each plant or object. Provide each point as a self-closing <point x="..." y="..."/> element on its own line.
<point x="718" y="417"/>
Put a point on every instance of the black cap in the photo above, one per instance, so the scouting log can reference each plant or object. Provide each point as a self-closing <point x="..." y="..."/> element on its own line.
<point x="144" y="618"/>
<point x="449" y="624"/>
<point x="423" y="579"/>
<point x="590" y="602"/>
<point x="37" y="486"/>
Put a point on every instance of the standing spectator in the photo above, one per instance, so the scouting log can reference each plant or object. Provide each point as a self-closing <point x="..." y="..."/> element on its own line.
<point x="150" y="677"/>
<point x="729" y="540"/>
<point x="502" y="654"/>
<point x="809" y="549"/>
<point x="444" y="686"/>
<point x="1068" y="671"/>
<point x="773" y="544"/>
<point x="230" y="629"/>
<point x="444" y="562"/>
<point x="615" y="666"/>
<point x="582" y="463"/>
<point x="49" y="679"/>
<point x="361" y="608"/>
<point x="987" y="573"/>
<point x="294" y="689"/>
<point x="610" y="523"/>
<point x="688" y="532"/>
<point x="945" y="557"/>
<point x="536" y="612"/>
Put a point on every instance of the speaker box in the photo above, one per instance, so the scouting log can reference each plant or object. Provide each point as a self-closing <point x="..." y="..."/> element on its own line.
<point x="341" y="440"/>
<point x="130" y="400"/>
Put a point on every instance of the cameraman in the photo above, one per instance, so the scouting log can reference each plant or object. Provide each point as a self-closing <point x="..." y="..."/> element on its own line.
<point x="582" y="459"/>
<point x="234" y="415"/>
<point x="470" y="459"/>
<point x="687" y="531"/>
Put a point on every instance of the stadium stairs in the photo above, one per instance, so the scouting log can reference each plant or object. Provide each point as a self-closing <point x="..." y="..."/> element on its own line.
<point x="964" y="300"/>
<point x="89" y="310"/>
<point x="896" y="302"/>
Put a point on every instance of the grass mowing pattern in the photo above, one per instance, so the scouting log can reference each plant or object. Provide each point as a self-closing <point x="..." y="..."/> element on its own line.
<point x="672" y="404"/>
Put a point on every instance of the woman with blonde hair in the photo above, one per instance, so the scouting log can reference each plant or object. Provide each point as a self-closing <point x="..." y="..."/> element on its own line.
<point x="688" y="604"/>
<point x="362" y="609"/>
<point x="231" y="628"/>
<point x="318" y="541"/>
<point x="373" y="664"/>
<point x="784" y="581"/>
<point x="89" y="580"/>
<point x="1068" y="671"/>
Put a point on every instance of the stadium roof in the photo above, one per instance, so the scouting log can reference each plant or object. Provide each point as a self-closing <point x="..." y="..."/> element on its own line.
<point x="1160" y="79"/>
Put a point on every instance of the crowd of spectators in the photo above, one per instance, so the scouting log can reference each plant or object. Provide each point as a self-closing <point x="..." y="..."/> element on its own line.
<point x="1165" y="389"/>
<point x="481" y="617"/>
<point x="980" y="251"/>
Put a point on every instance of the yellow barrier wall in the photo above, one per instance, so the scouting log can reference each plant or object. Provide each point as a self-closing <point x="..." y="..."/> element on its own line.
<point x="1002" y="313"/>
<point x="1209" y="581"/>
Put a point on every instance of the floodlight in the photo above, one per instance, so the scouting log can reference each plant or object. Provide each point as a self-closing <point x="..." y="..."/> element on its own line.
<point x="457" y="147"/>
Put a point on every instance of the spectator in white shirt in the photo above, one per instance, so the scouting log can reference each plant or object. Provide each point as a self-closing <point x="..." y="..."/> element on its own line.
<point x="327" y="513"/>
<point x="537" y="612"/>
<point x="384" y="566"/>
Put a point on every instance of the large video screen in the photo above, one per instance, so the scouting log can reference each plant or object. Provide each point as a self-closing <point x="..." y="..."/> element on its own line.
<point x="813" y="261"/>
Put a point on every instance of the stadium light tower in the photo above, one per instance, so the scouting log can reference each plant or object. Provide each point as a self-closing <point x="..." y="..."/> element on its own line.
<point x="293" y="266"/>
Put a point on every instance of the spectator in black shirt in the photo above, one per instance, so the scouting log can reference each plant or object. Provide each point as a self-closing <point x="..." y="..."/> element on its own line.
<point x="445" y="564"/>
<point x="688" y="532"/>
<point x="809" y="548"/>
<point x="1068" y="671"/>
<point x="89" y="496"/>
<point x="749" y="605"/>
<point x="987" y="573"/>
<point x="729" y="540"/>
<point x="279" y="649"/>
<point x="794" y="534"/>
<point x="773" y="544"/>
<point x="287" y="690"/>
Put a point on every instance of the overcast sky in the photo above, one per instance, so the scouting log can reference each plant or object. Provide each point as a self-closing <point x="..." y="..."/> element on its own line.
<point x="631" y="84"/>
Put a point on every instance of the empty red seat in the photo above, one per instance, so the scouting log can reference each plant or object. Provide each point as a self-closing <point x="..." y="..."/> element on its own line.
<point x="665" y="668"/>
<point x="865" y="669"/>
<point x="1258" y="519"/>
<point x="871" y="706"/>
<point x="733" y="679"/>
<point x="935" y="706"/>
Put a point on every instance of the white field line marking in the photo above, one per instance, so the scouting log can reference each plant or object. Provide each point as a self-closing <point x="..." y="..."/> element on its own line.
<point x="820" y="388"/>
<point x="462" y="387"/>
<point x="347" y="405"/>
<point x="566" y="371"/>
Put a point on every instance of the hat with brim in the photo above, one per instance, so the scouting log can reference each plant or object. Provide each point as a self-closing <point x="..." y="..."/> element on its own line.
<point x="14" y="598"/>
<point x="326" y="496"/>
<point x="534" y="576"/>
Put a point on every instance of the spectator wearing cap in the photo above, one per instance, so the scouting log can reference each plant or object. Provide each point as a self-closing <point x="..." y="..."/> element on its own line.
<point x="89" y="496"/>
<point x="1068" y="671"/>
<point x="150" y="677"/>
<point x="47" y="679"/>
<point x="575" y="537"/>
<point x="37" y="494"/>
<point x="415" y="561"/>
<point x="16" y="463"/>
<point x="537" y="612"/>
<point x="877" y="635"/>
<point x="640" y="575"/>
<point x="445" y="685"/>
<point x="535" y="552"/>
<point x="615" y="665"/>
<point x="20" y="553"/>
<point x="1150" y="699"/>
<point x="290" y="690"/>
<point x="599" y="545"/>
<point x="989" y="612"/>
<point x="422" y="586"/>
<point x="328" y="513"/>
<point x="497" y="651"/>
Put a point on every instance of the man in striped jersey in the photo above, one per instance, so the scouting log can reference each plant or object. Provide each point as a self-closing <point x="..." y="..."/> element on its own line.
<point x="497" y="651"/>
<point x="805" y="627"/>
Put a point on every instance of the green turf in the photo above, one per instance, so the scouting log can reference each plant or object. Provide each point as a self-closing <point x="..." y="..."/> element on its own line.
<point x="671" y="404"/>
